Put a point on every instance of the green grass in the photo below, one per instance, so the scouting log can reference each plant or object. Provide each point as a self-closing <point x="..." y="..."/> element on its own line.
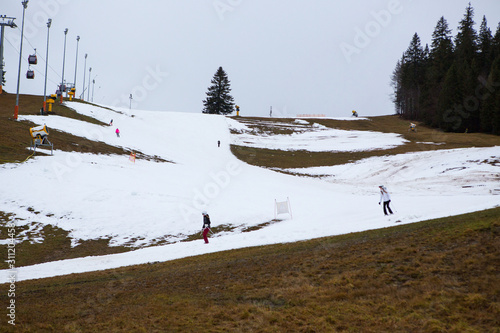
<point x="434" y="276"/>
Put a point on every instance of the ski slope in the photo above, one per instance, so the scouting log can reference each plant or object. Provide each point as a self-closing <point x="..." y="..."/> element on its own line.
<point x="153" y="205"/>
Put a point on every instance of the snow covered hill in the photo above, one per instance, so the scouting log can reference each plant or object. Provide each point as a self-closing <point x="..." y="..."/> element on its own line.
<point x="146" y="203"/>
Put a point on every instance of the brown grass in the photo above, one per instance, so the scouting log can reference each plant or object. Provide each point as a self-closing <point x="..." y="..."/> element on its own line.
<point x="435" y="276"/>
<point x="15" y="136"/>
<point x="418" y="141"/>
<point x="48" y="243"/>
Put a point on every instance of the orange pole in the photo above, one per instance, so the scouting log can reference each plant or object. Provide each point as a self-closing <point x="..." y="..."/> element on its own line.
<point x="16" y="112"/>
<point x="44" y="104"/>
<point x="1" y="88"/>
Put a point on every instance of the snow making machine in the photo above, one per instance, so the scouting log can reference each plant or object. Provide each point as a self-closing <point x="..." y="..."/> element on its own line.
<point x="39" y="137"/>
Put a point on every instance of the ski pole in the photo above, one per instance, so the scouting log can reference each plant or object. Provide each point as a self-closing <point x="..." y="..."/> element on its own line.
<point x="393" y="208"/>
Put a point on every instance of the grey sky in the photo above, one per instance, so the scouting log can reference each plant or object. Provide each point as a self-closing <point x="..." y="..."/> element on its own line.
<point x="300" y="57"/>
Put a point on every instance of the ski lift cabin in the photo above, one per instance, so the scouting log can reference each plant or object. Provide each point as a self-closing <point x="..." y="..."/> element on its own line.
<point x="30" y="74"/>
<point x="32" y="59"/>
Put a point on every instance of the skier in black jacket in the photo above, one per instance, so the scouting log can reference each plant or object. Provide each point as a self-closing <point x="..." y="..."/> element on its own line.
<point x="206" y="226"/>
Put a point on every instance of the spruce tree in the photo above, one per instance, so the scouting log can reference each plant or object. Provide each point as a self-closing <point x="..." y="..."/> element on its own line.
<point x="468" y="70"/>
<point x="440" y="60"/>
<point x="441" y="54"/>
<point x="219" y="100"/>
<point x="397" y="96"/>
<point x="450" y="108"/>
<point x="412" y="77"/>
<point x="466" y="39"/>
<point x="484" y="60"/>
<point x="484" y="43"/>
<point x="493" y="100"/>
<point x="495" y="44"/>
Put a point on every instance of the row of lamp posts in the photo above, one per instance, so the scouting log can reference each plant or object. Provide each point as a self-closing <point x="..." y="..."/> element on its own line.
<point x="62" y="87"/>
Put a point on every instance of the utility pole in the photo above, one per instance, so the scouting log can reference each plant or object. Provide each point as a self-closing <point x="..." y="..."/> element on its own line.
<point x="46" y="66"/>
<point x="93" y="84"/>
<point x="16" y="108"/>
<point x="4" y="22"/>
<point x="76" y="62"/>
<point x="64" y="60"/>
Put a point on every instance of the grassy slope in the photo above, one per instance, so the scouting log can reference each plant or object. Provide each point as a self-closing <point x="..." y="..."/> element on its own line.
<point x="418" y="141"/>
<point x="432" y="276"/>
<point x="16" y="138"/>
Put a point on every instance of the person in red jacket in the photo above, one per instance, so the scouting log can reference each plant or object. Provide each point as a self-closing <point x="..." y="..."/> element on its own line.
<point x="206" y="226"/>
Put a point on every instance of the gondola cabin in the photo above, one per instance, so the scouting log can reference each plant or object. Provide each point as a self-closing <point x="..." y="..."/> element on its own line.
<point x="32" y="60"/>
<point x="30" y="74"/>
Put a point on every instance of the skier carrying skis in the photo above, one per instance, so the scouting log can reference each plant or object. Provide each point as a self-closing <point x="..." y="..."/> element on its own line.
<point x="206" y="226"/>
<point x="386" y="198"/>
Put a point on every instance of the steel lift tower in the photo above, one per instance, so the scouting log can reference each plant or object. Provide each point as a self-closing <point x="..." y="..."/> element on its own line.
<point x="4" y="22"/>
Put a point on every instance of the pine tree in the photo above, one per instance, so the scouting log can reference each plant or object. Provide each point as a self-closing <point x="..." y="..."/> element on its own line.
<point x="219" y="100"/>
<point x="397" y="96"/>
<point x="484" y="43"/>
<point x="466" y="39"/>
<point x="493" y="100"/>
<point x="468" y="69"/>
<point x="412" y="77"/>
<point x="495" y="43"/>
<point x="484" y="61"/>
<point x="450" y="108"/>
<point x="440" y="60"/>
<point x="490" y="111"/>
<point x="441" y="54"/>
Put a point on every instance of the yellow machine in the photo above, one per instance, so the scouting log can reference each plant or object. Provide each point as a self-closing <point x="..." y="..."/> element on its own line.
<point x="39" y="137"/>
<point x="72" y="93"/>
<point x="51" y="101"/>
<point x="354" y="113"/>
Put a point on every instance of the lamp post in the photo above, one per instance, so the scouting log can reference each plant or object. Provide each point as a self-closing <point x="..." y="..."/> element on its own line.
<point x="46" y="65"/>
<point x="88" y="90"/>
<point x="16" y="108"/>
<point x="84" y="71"/>
<point x="64" y="60"/>
<point x="76" y="62"/>
<point x="93" y="85"/>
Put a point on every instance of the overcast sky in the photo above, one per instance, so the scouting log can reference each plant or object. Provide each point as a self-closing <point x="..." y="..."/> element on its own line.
<point x="300" y="57"/>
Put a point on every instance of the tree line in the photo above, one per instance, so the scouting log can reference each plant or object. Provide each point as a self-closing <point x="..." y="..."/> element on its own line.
<point x="454" y="84"/>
